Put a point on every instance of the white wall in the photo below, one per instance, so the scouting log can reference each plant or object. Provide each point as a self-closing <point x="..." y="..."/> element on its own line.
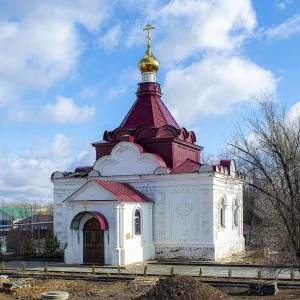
<point x="123" y="246"/>
<point x="187" y="217"/>
<point x="228" y="239"/>
<point x="63" y="188"/>
<point x="137" y="247"/>
<point x="183" y="223"/>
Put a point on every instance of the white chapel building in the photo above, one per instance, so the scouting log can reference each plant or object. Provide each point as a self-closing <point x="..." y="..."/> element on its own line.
<point x="147" y="195"/>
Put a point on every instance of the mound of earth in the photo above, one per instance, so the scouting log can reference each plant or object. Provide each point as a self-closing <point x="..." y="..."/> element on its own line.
<point x="183" y="287"/>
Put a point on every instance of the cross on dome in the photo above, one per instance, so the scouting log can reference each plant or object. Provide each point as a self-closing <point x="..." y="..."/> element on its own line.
<point x="148" y="28"/>
<point x="148" y="65"/>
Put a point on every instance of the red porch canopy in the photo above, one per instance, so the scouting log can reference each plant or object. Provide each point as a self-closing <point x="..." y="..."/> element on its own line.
<point x="95" y="214"/>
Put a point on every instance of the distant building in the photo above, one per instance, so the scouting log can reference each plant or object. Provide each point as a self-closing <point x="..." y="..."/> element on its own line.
<point x="38" y="224"/>
<point x="9" y="215"/>
<point x="37" y="221"/>
<point x="148" y="195"/>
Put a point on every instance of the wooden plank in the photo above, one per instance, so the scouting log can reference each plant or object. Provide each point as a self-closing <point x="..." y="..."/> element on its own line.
<point x="143" y="281"/>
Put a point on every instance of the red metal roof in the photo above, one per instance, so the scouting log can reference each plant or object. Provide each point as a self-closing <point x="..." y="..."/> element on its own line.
<point x="101" y="219"/>
<point x="148" y="109"/>
<point x="188" y="166"/>
<point x="123" y="191"/>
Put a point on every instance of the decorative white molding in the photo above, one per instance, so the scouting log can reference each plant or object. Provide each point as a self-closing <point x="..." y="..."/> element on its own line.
<point x="127" y="159"/>
<point x="148" y="192"/>
<point x="93" y="173"/>
<point x="162" y="171"/>
<point x="205" y="169"/>
<point x="232" y="168"/>
<point x="57" y="175"/>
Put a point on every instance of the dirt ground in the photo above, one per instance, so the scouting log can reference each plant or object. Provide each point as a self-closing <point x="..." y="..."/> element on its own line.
<point x="81" y="290"/>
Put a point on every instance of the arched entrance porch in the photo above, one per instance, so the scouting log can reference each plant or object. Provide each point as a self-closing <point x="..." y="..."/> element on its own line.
<point x="93" y="235"/>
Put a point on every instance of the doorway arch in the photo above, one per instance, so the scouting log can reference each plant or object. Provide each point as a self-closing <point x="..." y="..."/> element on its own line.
<point x="93" y="245"/>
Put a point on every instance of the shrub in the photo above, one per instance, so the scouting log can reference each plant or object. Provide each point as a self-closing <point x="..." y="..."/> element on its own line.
<point x="52" y="245"/>
<point x="28" y="248"/>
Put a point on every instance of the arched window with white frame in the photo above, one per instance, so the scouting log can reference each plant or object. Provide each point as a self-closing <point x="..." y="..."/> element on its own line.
<point x="137" y="222"/>
<point x="222" y="211"/>
<point x="236" y="212"/>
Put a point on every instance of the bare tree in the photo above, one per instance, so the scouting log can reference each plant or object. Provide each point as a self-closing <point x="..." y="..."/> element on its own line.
<point x="268" y="148"/>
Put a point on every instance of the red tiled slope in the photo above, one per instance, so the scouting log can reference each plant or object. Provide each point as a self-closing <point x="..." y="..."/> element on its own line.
<point x="148" y="110"/>
<point x="123" y="191"/>
<point x="188" y="166"/>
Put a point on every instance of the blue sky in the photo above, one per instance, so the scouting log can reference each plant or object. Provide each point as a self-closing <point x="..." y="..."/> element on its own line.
<point x="69" y="72"/>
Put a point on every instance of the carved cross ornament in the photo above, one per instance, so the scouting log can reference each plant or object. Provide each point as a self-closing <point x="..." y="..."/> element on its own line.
<point x="184" y="208"/>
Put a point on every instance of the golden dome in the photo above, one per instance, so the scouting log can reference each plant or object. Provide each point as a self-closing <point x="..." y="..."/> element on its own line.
<point x="149" y="63"/>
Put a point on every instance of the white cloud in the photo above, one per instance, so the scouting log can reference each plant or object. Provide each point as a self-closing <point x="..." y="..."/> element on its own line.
<point x="58" y="150"/>
<point x="83" y="158"/>
<point x="8" y="94"/>
<point x="133" y="35"/>
<point x="88" y="92"/>
<point x="40" y="42"/>
<point x="111" y="39"/>
<point x="199" y="25"/>
<point x="29" y="173"/>
<point x="60" y="147"/>
<point x="117" y="91"/>
<point x="124" y="78"/>
<point x="282" y="4"/>
<point x="66" y="111"/>
<point x="32" y="58"/>
<point x="213" y="86"/>
<point x="294" y="113"/>
<point x="63" y="111"/>
<point x="186" y="27"/>
<point x="285" y="30"/>
<point x="8" y="29"/>
<point x="27" y="176"/>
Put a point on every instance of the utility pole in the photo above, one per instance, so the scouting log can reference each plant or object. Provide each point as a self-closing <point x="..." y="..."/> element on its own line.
<point x="32" y="221"/>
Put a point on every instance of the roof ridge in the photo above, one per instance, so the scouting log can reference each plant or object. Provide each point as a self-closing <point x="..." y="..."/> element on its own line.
<point x="164" y="110"/>
<point x="123" y="190"/>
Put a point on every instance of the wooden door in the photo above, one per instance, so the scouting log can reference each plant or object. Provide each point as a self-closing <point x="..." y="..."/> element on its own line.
<point x="93" y="242"/>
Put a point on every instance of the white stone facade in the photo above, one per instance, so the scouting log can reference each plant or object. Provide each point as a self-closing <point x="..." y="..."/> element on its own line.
<point x="191" y="216"/>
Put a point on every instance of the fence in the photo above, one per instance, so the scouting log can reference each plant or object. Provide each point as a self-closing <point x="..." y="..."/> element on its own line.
<point x="11" y="236"/>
